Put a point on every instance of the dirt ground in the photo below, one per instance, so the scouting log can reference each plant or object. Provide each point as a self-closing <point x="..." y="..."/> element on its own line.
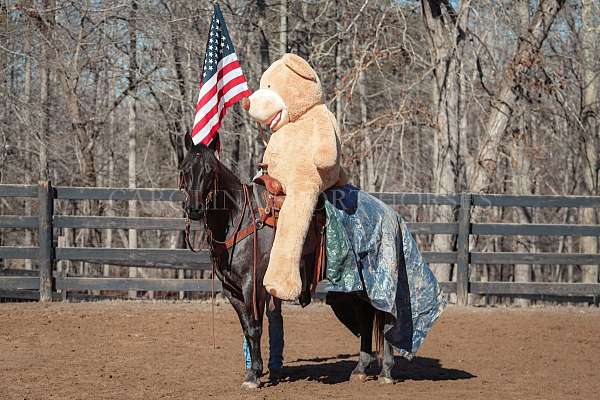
<point x="162" y="350"/>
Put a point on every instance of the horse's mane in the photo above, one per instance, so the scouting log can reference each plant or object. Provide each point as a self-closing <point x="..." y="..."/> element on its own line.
<point x="226" y="175"/>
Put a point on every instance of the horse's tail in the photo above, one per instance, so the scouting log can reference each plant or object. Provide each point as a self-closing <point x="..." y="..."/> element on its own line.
<point x="378" y="325"/>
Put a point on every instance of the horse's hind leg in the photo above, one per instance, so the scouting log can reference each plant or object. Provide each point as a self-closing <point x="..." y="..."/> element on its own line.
<point x="385" y="376"/>
<point x="365" y="314"/>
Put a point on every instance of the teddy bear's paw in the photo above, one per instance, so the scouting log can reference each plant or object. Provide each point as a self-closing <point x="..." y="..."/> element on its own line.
<point x="284" y="293"/>
<point x="283" y="275"/>
<point x="283" y="286"/>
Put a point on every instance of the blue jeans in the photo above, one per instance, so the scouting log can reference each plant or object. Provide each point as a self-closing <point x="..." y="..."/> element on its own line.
<point x="276" y="340"/>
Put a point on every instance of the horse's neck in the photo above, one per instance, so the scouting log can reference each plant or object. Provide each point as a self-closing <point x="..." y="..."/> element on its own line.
<point x="230" y="204"/>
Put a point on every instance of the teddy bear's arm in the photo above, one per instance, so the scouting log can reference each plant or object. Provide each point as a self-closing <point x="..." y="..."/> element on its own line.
<point x="327" y="146"/>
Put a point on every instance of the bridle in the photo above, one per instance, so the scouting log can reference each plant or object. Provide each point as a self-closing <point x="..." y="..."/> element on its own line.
<point x="210" y="195"/>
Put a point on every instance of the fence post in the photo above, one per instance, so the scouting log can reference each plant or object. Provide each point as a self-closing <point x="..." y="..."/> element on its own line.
<point x="46" y="239"/>
<point x="462" y="247"/>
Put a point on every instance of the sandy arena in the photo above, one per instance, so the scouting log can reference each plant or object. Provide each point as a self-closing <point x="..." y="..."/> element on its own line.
<point x="162" y="350"/>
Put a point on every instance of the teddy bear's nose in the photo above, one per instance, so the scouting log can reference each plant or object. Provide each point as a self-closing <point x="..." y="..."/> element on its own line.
<point x="246" y="103"/>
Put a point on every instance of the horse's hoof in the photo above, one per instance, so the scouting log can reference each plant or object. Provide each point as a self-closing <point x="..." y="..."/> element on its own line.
<point x="384" y="380"/>
<point x="358" y="378"/>
<point x="250" y="385"/>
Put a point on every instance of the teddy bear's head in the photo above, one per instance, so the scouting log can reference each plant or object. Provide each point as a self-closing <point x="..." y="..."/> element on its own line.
<point x="288" y="89"/>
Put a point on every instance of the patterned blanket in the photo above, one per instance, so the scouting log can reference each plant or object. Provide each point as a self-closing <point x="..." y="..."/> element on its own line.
<point x="370" y="249"/>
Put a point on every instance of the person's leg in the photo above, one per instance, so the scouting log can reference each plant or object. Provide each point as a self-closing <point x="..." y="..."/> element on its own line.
<point x="247" y="356"/>
<point x="276" y="340"/>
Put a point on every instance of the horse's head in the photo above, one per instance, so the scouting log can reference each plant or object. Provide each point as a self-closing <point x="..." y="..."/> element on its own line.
<point x="198" y="179"/>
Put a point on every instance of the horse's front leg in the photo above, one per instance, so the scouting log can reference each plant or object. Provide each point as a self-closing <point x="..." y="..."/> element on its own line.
<point x="366" y="315"/>
<point x="252" y="331"/>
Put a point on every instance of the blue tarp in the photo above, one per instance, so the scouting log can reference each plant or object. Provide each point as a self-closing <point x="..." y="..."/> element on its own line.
<point x="370" y="248"/>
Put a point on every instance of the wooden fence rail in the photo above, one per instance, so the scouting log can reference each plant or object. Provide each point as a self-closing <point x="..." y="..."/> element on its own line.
<point x="44" y="283"/>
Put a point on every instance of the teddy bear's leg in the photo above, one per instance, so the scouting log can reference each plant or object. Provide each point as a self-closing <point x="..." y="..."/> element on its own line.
<point x="282" y="278"/>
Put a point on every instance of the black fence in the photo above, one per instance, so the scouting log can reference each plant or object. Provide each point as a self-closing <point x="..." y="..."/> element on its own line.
<point x="43" y="285"/>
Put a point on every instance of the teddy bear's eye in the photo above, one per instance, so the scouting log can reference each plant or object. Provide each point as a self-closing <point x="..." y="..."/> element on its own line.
<point x="269" y="86"/>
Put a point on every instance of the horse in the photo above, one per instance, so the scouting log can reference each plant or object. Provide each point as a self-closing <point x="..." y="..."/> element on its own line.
<point x="215" y="196"/>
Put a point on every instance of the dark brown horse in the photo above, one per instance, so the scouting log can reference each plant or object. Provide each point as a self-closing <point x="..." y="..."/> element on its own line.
<point x="217" y="197"/>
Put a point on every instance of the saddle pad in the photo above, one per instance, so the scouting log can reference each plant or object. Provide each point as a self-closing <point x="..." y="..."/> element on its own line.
<point x="369" y="248"/>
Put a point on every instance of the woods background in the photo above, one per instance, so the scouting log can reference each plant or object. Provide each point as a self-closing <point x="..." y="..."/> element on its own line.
<point x="431" y="96"/>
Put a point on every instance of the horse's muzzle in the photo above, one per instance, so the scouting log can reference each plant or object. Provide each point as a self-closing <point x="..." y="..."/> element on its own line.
<point x="195" y="214"/>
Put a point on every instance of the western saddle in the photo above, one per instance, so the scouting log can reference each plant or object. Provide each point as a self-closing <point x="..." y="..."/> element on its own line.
<point x="314" y="245"/>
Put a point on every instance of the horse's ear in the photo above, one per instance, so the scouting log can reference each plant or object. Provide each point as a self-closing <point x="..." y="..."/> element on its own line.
<point x="188" y="142"/>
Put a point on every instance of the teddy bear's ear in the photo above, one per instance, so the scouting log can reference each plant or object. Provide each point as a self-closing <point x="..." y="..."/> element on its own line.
<point x="299" y="66"/>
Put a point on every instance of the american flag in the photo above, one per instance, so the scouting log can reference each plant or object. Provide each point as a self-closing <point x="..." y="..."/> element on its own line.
<point x="223" y="82"/>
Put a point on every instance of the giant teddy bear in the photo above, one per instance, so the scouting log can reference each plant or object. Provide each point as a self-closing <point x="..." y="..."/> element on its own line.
<point x="303" y="153"/>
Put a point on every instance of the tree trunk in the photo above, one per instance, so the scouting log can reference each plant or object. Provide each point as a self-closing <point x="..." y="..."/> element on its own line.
<point x="132" y="129"/>
<point x="179" y="121"/>
<point x="368" y="175"/>
<point x="591" y="134"/>
<point x="110" y="206"/>
<point x="258" y="147"/>
<point x="525" y="57"/>
<point x="28" y="147"/>
<point x="338" y="68"/>
<point x="44" y="73"/>
<point x="283" y="27"/>
<point x="521" y="174"/>
<point x="445" y="30"/>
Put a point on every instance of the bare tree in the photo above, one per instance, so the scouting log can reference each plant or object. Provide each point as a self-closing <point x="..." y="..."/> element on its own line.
<point x="521" y="165"/>
<point x="591" y="130"/>
<point x="283" y="27"/>
<point x="525" y="57"/>
<point x="429" y="95"/>
<point x="45" y="22"/>
<point x="132" y="130"/>
<point x="446" y="32"/>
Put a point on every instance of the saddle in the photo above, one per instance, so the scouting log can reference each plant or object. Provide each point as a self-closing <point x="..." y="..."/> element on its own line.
<point x="313" y="254"/>
<point x="314" y="244"/>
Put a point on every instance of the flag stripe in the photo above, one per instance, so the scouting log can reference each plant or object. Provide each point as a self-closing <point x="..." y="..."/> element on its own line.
<point x="207" y="117"/>
<point x="204" y="126"/>
<point x="233" y="100"/>
<point x="222" y="70"/>
<point x="224" y="85"/>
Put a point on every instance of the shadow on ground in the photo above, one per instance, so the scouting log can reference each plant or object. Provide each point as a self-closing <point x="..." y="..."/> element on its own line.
<point x="337" y="369"/>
